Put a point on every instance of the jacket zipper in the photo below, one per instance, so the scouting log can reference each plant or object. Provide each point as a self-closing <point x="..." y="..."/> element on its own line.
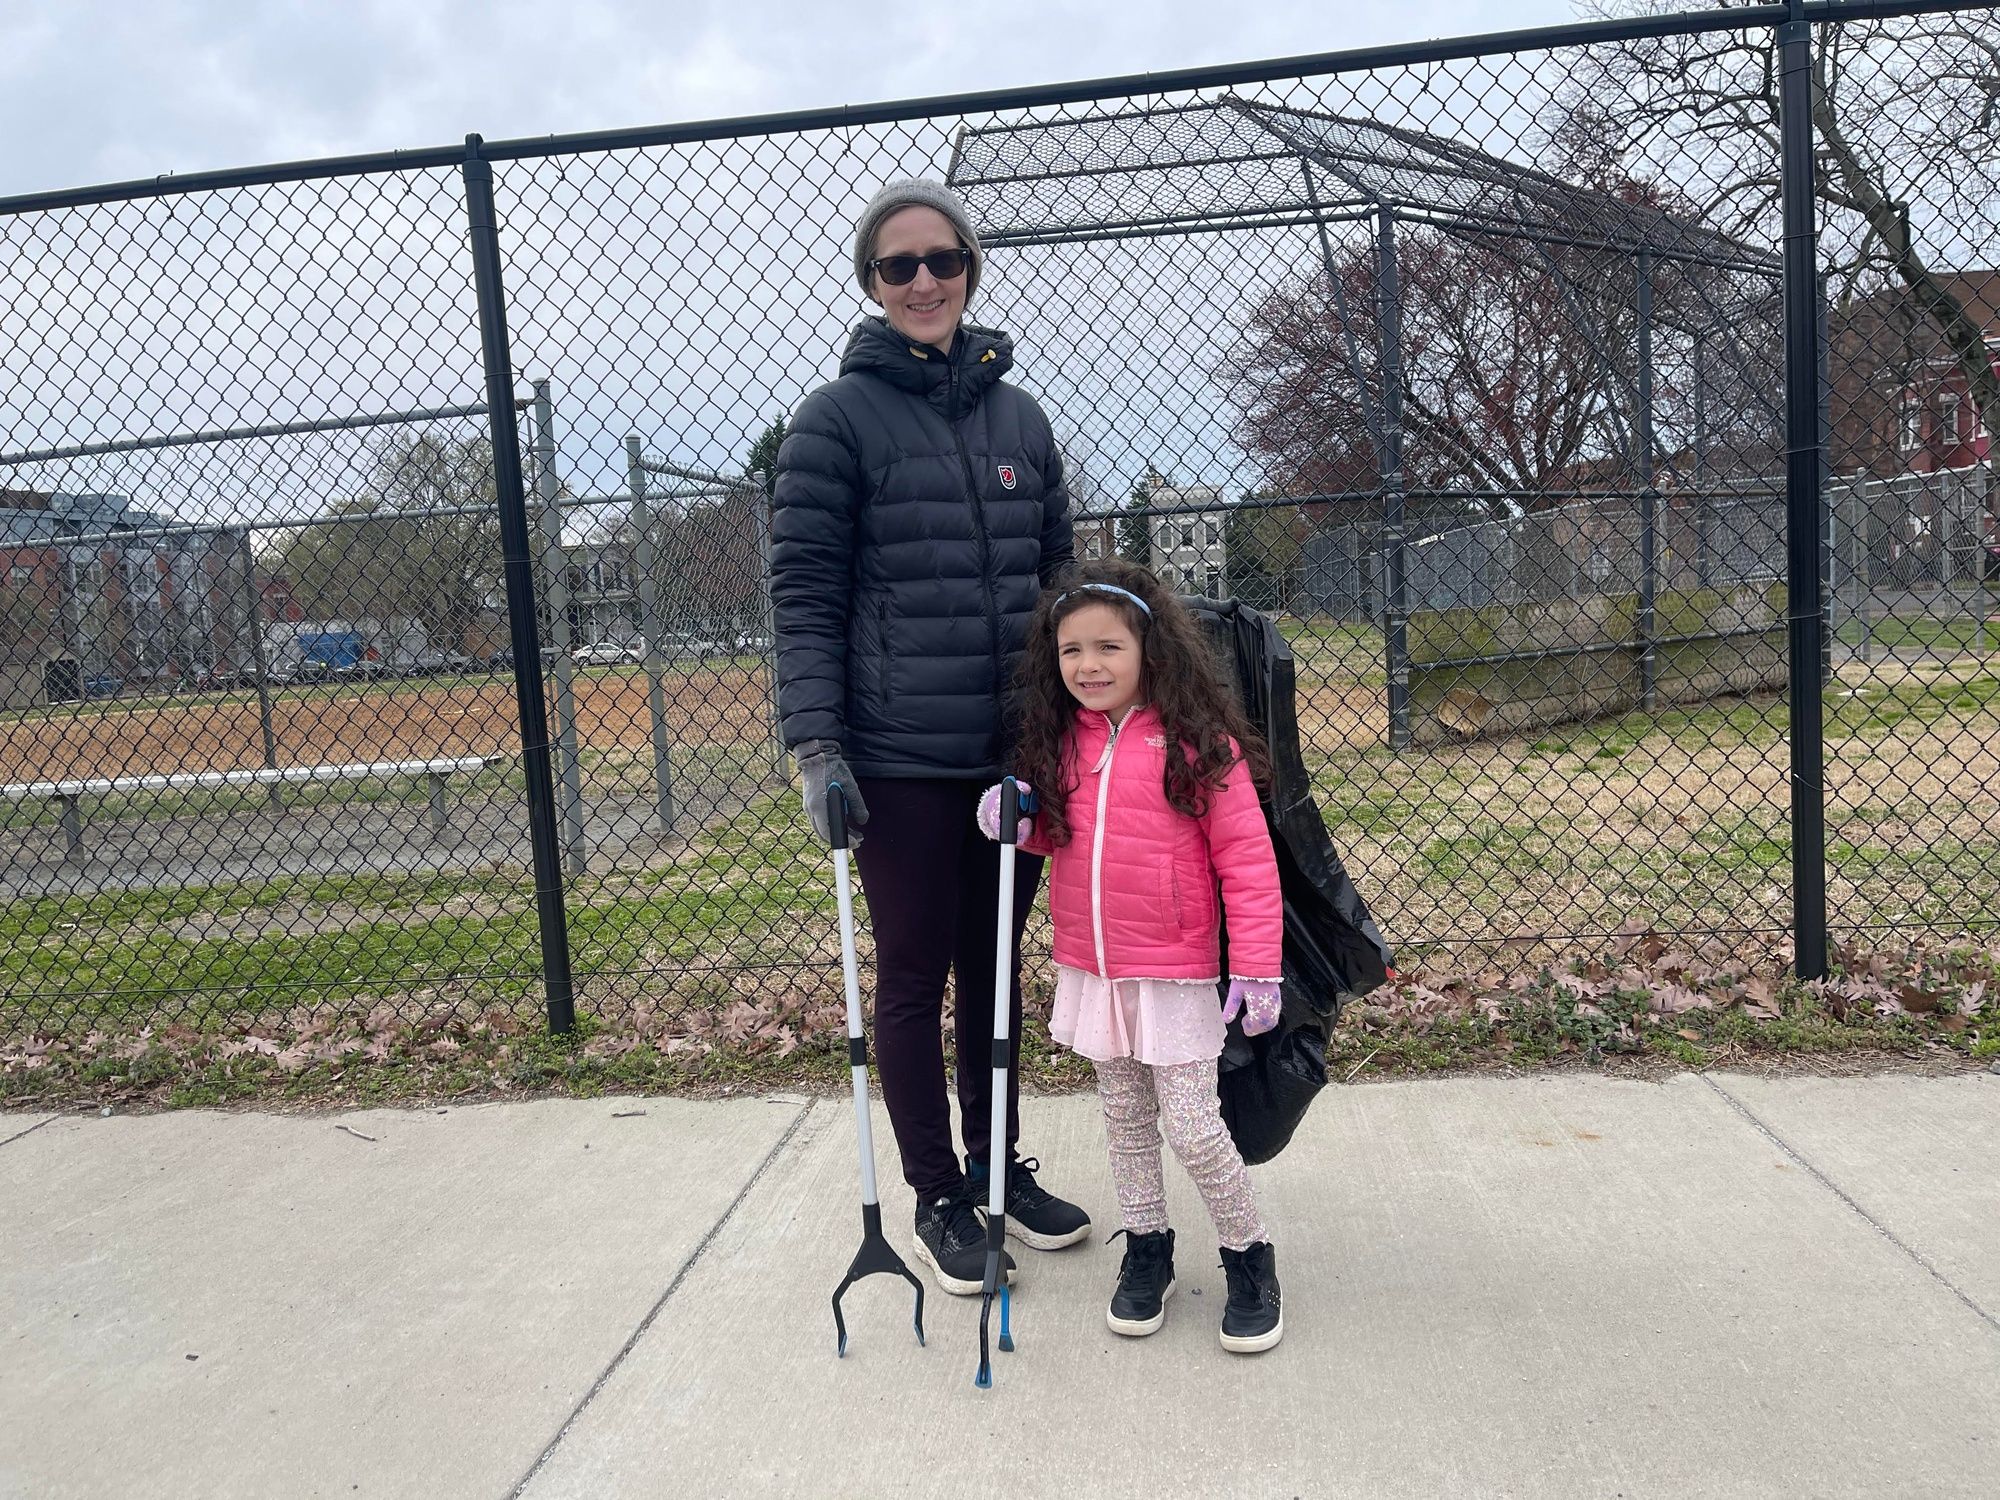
<point x="979" y="524"/>
<point x="1097" y="852"/>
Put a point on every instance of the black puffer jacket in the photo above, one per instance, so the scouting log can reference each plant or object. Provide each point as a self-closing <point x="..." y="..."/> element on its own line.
<point x="919" y="509"/>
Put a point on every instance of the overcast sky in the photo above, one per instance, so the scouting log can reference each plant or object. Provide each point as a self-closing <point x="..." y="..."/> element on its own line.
<point x="101" y="90"/>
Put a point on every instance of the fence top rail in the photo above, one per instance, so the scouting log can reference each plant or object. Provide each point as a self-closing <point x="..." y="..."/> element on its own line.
<point x="1405" y="54"/>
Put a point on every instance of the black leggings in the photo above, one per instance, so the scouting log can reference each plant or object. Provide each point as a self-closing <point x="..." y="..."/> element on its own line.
<point x="933" y="886"/>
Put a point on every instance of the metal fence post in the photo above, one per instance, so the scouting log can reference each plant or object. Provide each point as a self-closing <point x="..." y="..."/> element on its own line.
<point x="1395" y="594"/>
<point x="760" y="498"/>
<point x="646" y="559"/>
<point x="512" y="500"/>
<point x="1649" y="499"/>
<point x="1802" y="495"/>
<point x="1829" y="588"/>
<point x="555" y="584"/>
<point x="259" y="666"/>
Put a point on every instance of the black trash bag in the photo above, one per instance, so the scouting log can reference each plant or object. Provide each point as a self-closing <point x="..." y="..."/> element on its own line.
<point x="1265" y="1096"/>
<point x="1332" y="949"/>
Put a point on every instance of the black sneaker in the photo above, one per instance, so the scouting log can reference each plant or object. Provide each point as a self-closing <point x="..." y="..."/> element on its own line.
<point x="1145" y="1281"/>
<point x="951" y="1240"/>
<point x="1035" y="1216"/>
<point x="1254" y="1319"/>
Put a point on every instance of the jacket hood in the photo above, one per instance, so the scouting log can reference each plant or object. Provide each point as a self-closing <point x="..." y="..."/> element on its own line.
<point x="951" y="383"/>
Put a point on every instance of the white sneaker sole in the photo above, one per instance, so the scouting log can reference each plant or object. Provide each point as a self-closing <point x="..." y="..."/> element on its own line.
<point x="1016" y="1230"/>
<point x="1258" y="1343"/>
<point x="951" y="1283"/>
<point x="1136" y="1328"/>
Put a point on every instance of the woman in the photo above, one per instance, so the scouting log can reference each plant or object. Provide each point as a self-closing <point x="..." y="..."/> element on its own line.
<point x="919" y="508"/>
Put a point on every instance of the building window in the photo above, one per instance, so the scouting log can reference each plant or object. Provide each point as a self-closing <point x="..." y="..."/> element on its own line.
<point x="1913" y="424"/>
<point x="1948" y="417"/>
<point x="1187" y="533"/>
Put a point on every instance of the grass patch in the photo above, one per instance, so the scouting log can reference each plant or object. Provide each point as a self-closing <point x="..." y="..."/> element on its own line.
<point x="741" y="893"/>
<point x="1941" y="635"/>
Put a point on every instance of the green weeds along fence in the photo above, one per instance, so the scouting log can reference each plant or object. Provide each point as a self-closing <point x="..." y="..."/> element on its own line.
<point x="1607" y="414"/>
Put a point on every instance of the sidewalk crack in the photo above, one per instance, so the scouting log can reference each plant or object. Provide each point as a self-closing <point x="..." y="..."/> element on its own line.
<point x="673" y="1286"/>
<point x="1867" y="1218"/>
<point x="17" y="1135"/>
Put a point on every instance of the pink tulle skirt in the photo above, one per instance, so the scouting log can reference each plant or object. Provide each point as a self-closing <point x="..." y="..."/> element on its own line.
<point x="1158" y="1022"/>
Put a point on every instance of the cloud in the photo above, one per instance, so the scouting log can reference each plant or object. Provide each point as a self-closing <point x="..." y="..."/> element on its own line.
<point x="96" y="90"/>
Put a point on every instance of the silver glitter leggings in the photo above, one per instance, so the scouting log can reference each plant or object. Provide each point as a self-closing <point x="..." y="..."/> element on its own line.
<point x="1135" y="1097"/>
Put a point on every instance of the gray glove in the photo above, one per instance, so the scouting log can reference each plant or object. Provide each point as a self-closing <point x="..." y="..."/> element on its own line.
<point x="822" y="766"/>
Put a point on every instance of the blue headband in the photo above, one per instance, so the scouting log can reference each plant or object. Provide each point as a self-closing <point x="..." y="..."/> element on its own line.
<point x="1106" y="588"/>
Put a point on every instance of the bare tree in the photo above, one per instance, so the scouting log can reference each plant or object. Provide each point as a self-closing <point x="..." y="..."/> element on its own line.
<point x="403" y="550"/>
<point x="1519" y="367"/>
<point x="1906" y="131"/>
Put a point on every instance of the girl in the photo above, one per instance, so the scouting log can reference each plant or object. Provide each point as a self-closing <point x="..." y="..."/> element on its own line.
<point x="1145" y="767"/>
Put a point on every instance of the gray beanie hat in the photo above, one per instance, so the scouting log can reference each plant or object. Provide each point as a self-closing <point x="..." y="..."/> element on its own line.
<point x="914" y="193"/>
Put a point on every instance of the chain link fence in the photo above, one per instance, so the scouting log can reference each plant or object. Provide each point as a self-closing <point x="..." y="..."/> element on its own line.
<point x="384" y="608"/>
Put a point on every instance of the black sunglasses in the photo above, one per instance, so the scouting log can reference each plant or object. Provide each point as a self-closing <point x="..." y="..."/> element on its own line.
<point x="901" y="270"/>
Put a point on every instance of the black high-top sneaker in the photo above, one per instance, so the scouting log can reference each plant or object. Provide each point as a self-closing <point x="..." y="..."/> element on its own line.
<point x="1145" y="1281"/>
<point x="1254" y="1318"/>
<point x="951" y="1240"/>
<point x="1036" y="1217"/>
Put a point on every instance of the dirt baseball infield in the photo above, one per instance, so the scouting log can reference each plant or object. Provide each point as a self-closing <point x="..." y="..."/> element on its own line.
<point x="379" y="722"/>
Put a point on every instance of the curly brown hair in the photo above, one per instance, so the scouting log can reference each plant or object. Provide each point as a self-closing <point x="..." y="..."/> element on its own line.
<point x="1178" y="679"/>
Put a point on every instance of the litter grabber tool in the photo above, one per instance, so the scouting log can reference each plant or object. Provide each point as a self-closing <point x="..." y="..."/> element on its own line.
<point x="1013" y="803"/>
<point x="876" y="1256"/>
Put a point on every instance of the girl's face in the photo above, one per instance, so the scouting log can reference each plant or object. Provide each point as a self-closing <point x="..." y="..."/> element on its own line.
<point x="1100" y="659"/>
<point x="926" y="310"/>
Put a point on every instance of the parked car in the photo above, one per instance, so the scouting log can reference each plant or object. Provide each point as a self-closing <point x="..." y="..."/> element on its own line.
<point x="503" y="659"/>
<point x="606" y="653"/>
<point x="102" y="685"/>
<point x="423" y="664"/>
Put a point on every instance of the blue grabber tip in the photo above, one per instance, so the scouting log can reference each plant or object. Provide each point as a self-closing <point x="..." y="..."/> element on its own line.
<point x="1006" y="1334"/>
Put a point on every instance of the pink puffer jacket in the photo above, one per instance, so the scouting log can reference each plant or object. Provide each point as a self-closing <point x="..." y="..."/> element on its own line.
<point x="1133" y="893"/>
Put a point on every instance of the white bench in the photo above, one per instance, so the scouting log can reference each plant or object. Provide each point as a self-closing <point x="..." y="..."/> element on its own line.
<point x="68" y="793"/>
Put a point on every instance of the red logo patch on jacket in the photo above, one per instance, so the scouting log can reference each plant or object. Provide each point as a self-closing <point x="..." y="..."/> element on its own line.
<point x="1006" y="476"/>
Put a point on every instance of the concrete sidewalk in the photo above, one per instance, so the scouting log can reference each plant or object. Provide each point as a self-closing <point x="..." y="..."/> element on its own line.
<point x="1563" y="1285"/>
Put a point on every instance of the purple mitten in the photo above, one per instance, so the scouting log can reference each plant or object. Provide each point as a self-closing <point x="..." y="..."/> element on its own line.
<point x="989" y="811"/>
<point x="1257" y="999"/>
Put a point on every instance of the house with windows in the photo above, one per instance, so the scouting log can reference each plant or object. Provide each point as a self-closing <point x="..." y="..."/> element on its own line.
<point x="1899" y="402"/>
<point x="1912" y="459"/>
<point x="101" y="593"/>
<point x="1094" y="536"/>
<point x="1186" y="529"/>
<point x="603" y="579"/>
<point x="1938" y="422"/>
